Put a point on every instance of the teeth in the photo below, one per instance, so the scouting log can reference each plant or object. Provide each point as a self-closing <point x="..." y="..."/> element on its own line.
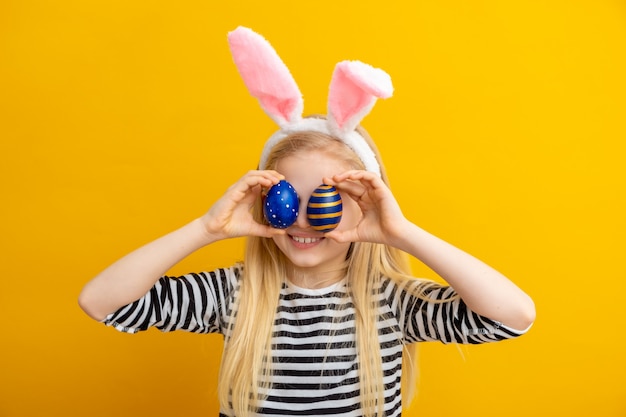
<point x="305" y="239"/>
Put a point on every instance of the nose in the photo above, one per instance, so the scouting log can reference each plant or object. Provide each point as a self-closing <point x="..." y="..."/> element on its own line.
<point x="302" y="221"/>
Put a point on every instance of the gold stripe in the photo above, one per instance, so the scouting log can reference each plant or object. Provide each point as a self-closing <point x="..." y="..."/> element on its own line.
<point x="324" y="216"/>
<point x="325" y="194"/>
<point x="323" y="205"/>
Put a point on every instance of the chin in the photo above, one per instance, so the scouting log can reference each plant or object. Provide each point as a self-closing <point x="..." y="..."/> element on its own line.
<point x="325" y="255"/>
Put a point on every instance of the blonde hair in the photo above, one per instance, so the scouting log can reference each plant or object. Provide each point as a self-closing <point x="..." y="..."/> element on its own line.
<point x="246" y="364"/>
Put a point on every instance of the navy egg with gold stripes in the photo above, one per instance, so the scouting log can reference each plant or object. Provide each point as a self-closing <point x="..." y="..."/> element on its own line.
<point x="325" y="208"/>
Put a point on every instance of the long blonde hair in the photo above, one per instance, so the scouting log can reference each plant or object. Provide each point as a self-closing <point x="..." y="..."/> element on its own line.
<point x="246" y="364"/>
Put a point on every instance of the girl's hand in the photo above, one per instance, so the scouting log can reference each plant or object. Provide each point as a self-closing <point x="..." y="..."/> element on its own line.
<point x="382" y="220"/>
<point x="231" y="215"/>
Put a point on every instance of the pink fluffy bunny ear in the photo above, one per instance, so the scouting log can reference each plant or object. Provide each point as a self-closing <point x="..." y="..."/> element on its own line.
<point x="266" y="76"/>
<point x="354" y="88"/>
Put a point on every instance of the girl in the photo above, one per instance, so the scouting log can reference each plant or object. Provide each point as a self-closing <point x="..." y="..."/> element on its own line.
<point x="314" y="323"/>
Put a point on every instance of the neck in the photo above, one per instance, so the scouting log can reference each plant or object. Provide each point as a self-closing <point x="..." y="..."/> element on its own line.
<point x="313" y="279"/>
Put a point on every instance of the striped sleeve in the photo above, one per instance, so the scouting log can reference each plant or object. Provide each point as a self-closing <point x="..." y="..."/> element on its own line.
<point x="195" y="303"/>
<point x="442" y="316"/>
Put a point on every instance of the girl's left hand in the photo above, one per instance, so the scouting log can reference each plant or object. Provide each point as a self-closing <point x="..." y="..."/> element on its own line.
<point x="382" y="220"/>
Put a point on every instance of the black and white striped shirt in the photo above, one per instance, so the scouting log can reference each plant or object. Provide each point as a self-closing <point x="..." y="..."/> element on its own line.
<point x="314" y="356"/>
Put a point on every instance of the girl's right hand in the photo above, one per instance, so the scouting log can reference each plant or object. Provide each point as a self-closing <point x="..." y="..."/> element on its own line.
<point x="133" y="275"/>
<point x="231" y="216"/>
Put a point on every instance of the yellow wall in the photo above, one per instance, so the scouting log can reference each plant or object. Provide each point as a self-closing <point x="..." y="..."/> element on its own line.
<point x="121" y="120"/>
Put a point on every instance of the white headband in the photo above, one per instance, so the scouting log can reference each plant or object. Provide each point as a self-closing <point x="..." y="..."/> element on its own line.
<point x="353" y="91"/>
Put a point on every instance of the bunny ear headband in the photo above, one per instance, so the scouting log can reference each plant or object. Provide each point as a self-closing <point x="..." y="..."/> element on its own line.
<point x="354" y="88"/>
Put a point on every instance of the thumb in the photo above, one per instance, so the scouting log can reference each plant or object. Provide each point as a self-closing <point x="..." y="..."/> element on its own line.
<point x="342" y="236"/>
<point x="268" y="231"/>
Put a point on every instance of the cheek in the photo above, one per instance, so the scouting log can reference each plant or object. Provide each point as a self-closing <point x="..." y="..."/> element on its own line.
<point x="351" y="214"/>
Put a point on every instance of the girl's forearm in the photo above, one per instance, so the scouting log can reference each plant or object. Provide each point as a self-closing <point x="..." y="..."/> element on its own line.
<point x="133" y="275"/>
<point x="485" y="290"/>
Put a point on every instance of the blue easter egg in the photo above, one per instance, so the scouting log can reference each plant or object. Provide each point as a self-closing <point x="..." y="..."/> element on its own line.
<point x="281" y="205"/>
<point x="325" y="208"/>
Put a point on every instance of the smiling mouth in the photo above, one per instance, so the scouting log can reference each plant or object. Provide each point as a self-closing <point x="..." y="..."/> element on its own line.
<point x="306" y="239"/>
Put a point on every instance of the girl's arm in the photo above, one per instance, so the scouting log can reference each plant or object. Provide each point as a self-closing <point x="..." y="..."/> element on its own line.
<point x="132" y="276"/>
<point x="484" y="290"/>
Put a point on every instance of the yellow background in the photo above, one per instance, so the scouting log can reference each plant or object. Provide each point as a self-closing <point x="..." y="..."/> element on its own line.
<point x="122" y="120"/>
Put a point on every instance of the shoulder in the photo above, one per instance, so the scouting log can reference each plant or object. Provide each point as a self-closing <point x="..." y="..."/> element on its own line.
<point x="226" y="280"/>
<point x="220" y="282"/>
<point x="415" y="287"/>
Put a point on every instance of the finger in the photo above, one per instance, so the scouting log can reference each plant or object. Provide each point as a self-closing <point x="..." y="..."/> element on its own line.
<point x="342" y="236"/>
<point x="346" y="185"/>
<point x="256" y="179"/>
<point x="346" y="174"/>
<point x="351" y="188"/>
<point x="265" y="178"/>
<point x="268" y="232"/>
<point x="365" y="178"/>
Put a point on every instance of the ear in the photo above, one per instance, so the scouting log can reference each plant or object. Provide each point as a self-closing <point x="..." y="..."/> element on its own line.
<point x="354" y="88"/>
<point x="266" y="76"/>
